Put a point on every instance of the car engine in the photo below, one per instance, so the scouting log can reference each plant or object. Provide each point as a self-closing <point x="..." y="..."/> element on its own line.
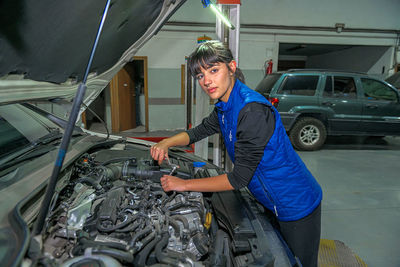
<point x="112" y="211"/>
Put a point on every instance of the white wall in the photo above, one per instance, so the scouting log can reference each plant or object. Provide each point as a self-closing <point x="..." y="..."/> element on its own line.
<point x="377" y="14"/>
<point x="166" y="53"/>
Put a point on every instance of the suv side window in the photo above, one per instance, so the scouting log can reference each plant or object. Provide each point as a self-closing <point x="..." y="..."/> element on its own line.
<point x="375" y="90"/>
<point x="299" y="85"/>
<point x="340" y="86"/>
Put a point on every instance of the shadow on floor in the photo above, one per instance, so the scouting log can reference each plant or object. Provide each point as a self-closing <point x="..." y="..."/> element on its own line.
<point x="362" y="143"/>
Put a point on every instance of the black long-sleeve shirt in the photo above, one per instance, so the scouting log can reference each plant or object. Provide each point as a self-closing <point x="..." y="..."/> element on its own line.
<point x="255" y="126"/>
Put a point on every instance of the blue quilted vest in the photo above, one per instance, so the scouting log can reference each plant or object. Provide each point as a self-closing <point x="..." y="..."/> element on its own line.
<point x="281" y="182"/>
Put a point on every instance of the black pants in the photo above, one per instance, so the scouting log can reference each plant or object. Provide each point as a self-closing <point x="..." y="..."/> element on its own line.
<point x="302" y="237"/>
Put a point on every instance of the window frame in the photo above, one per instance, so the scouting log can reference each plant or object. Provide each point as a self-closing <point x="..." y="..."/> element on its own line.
<point x="280" y="91"/>
<point x="335" y="94"/>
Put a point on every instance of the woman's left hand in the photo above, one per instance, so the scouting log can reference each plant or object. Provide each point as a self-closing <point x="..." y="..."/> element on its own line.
<point x="172" y="183"/>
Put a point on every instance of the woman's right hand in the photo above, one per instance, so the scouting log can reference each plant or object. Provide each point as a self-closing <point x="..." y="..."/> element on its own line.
<point x="159" y="151"/>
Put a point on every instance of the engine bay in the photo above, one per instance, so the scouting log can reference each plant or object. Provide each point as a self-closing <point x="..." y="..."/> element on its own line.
<point x="112" y="211"/>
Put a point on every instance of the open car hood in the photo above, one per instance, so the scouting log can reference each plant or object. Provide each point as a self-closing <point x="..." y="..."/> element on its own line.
<point x="45" y="45"/>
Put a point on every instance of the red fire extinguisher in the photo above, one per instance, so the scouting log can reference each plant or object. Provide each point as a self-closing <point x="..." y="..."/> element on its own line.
<point x="268" y="68"/>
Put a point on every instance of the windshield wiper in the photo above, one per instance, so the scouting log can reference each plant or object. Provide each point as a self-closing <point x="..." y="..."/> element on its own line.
<point x="22" y="154"/>
<point x="48" y="138"/>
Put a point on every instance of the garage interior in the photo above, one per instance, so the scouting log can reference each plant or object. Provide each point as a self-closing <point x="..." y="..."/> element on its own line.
<point x="149" y="99"/>
<point x="359" y="175"/>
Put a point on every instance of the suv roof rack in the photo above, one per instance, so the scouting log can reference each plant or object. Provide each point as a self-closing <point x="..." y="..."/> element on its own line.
<point x="326" y="70"/>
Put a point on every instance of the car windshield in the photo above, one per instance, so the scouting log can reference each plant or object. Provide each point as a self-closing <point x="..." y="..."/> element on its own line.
<point x="20" y="128"/>
<point x="265" y="86"/>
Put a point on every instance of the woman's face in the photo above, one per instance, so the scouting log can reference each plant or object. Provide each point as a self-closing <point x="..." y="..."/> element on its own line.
<point x="217" y="81"/>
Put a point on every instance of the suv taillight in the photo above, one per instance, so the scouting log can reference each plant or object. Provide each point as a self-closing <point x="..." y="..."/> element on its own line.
<point x="274" y="101"/>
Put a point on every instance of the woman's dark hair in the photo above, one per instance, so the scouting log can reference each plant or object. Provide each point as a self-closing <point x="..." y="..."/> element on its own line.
<point x="210" y="53"/>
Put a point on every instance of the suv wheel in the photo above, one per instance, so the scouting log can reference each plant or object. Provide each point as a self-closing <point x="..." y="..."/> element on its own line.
<point x="308" y="134"/>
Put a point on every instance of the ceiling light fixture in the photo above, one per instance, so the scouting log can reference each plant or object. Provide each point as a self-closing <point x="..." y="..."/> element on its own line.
<point x="221" y="16"/>
<point x="218" y="13"/>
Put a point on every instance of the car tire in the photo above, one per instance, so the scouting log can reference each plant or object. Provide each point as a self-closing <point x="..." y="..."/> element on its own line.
<point x="308" y="134"/>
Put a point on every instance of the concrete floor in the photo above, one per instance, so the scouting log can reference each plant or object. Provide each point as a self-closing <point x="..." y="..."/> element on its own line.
<point x="361" y="204"/>
<point x="360" y="178"/>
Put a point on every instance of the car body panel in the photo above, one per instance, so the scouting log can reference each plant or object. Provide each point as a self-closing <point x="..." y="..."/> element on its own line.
<point x="344" y="115"/>
<point x="381" y="117"/>
<point x="288" y="119"/>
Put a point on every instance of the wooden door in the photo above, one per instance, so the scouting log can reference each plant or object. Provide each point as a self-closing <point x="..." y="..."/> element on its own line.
<point x="123" y="111"/>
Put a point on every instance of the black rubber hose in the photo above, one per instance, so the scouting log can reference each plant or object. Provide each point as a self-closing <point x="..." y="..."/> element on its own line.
<point x="143" y="173"/>
<point x="115" y="227"/>
<point x="77" y="250"/>
<point x="147" y="239"/>
<point x="174" y="225"/>
<point x="138" y="235"/>
<point x="112" y="172"/>
<point x="131" y="207"/>
<point x="85" y="243"/>
<point x="160" y="194"/>
<point x="115" y="253"/>
<point x="132" y="227"/>
<point x="115" y="160"/>
<point x="141" y="257"/>
<point x="160" y="246"/>
<point x="182" y="219"/>
<point x="90" y="181"/>
<point x="175" y="206"/>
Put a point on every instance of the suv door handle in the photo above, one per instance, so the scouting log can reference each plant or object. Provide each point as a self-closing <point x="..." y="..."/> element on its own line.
<point x="372" y="106"/>
<point x="327" y="103"/>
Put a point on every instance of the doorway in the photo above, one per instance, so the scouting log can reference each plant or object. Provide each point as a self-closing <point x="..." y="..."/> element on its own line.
<point x="129" y="97"/>
<point x="123" y="104"/>
<point x="359" y="58"/>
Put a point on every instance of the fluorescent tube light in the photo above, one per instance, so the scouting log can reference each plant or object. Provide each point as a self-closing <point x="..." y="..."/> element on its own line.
<point x="221" y="16"/>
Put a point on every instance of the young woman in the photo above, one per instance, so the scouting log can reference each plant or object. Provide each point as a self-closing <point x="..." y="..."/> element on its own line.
<point x="256" y="141"/>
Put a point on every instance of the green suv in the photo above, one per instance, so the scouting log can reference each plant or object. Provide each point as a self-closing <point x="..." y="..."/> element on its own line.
<point x="317" y="103"/>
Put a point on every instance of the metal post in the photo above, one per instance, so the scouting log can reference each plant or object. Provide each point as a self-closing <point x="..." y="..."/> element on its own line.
<point x="202" y="110"/>
<point x="234" y="17"/>
<point x="231" y="38"/>
<point x="188" y="101"/>
<point x="216" y="150"/>
<point x="67" y="135"/>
